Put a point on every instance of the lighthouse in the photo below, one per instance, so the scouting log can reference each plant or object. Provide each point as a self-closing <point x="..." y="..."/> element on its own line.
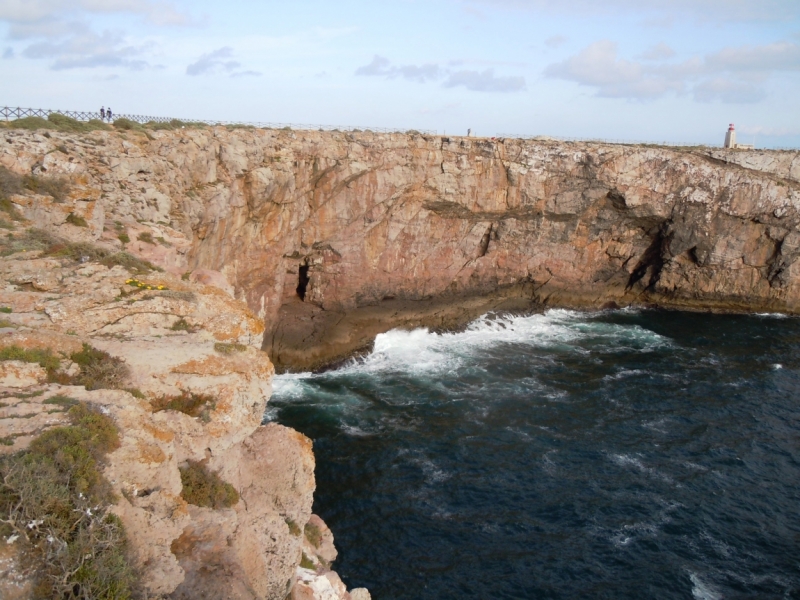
<point x="730" y="137"/>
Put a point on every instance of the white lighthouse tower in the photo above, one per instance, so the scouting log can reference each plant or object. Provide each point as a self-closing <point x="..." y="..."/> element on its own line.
<point x="730" y="137"/>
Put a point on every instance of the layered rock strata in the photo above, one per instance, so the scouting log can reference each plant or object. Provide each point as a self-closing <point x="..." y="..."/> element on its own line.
<point x="174" y="338"/>
<point x="333" y="237"/>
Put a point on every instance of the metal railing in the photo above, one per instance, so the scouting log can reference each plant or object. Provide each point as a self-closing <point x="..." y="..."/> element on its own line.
<point x="9" y="113"/>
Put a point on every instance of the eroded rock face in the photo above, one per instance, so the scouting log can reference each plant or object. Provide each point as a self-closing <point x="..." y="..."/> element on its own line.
<point x="174" y="337"/>
<point x="333" y="237"/>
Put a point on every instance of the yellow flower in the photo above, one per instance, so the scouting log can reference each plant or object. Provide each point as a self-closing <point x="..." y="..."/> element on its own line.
<point x="161" y="287"/>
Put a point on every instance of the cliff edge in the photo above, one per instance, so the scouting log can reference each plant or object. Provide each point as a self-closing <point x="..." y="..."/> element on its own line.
<point x="331" y="238"/>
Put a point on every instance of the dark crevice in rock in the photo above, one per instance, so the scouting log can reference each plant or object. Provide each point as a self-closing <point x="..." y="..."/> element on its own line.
<point x="302" y="282"/>
<point x="484" y="245"/>
<point x="652" y="261"/>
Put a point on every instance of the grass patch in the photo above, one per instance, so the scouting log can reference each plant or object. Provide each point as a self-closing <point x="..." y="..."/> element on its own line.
<point x="146" y="237"/>
<point x="181" y="325"/>
<point x="294" y="529"/>
<point x="99" y="370"/>
<point x="313" y="534"/>
<point x="31" y="123"/>
<point x="203" y="487"/>
<point x="307" y="563"/>
<point x="76" y="220"/>
<point x="127" y="125"/>
<point x="229" y="349"/>
<point x="61" y="400"/>
<point x="124" y="238"/>
<point x="54" y="498"/>
<point x="194" y="405"/>
<point x="70" y="125"/>
<point x="136" y="393"/>
<point x="7" y="323"/>
<point x="51" y="245"/>
<point x="6" y="310"/>
<point x="43" y="357"/>
<point x="175" y="124"/>
<point x="180" y="295"/>
<point x="11" y="183"/>
<point x="7" y="441"/>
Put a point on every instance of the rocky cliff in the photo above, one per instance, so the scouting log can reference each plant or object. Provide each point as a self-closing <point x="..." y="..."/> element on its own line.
<point x="333" y="237"/>
<point x="306" y="245"/>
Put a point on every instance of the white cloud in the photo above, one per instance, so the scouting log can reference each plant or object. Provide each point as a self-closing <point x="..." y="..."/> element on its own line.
<point x="87" y="49"/>
<point x="8" y="53"/>
<point x="728" y="91"/>
<point x="214" y="62"/>
<point x="658" y="52"/>
<point x="219" y="61"/>
<point x="555" y="41"/>
<point x="381" y="66"/>
<point x="476" y="81"/>
<point x="31" y="11"/>
<point x="711" y="10"/>
<point x="485" y="81"/>
<point x="732" y="75"/>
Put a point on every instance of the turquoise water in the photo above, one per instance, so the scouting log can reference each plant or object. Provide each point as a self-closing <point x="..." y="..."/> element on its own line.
<point x="618" y="454"/>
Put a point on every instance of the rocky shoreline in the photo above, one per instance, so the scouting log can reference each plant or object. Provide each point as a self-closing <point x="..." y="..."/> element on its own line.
<point x="201" y="257"/>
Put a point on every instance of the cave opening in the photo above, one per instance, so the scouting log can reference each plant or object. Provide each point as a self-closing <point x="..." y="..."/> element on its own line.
<point x="302" y="282"/>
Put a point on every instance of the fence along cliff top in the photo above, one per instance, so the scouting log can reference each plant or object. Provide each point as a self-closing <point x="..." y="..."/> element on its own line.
<point x="8" y="113"/>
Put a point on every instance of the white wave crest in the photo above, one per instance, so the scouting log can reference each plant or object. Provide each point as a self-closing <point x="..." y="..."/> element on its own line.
<point x="421" y="351"/>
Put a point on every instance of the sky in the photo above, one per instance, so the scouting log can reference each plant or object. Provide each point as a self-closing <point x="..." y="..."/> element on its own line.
<point x="636" y="70"/>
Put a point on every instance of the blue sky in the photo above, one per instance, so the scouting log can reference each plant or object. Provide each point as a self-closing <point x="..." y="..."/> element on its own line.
<point x="674" y="70"/>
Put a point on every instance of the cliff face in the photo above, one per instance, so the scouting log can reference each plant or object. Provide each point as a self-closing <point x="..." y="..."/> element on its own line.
<point x="331" y="237"/>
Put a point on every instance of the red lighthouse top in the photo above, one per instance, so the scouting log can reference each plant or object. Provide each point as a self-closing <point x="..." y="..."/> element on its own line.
<point x="730" y="127"/>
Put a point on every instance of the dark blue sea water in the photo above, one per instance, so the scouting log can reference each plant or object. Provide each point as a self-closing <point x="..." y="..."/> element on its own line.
<point x="622" y="454"/>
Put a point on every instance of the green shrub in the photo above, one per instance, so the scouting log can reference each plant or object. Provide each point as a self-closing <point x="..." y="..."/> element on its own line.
<point x="229" y="348"/>
<point x="99" y="370"/>
<point x="57" y="187"/>
<point x="127" y="125"/>
<point x="205" y="488"/>
<point x="294" y="529"/>
<point x="145" y="237"/>
<point x="6" y="310"/>
<point x="136" y="393"/>
<point x="61" y="400"/>
<point x="31" y="123"/>
<point x="124" y="238"/>
<point x="43" y="357"/>
<point x="307" y="563"/>
<point x="194" y="405"/>
<point x="37" y="239"/>
<point x="74" y="547"/>
<point x="181" y="325"/>
<point x="76" y="220"/>
<point x="10" y="182"/>
<point x="313" y="534"/>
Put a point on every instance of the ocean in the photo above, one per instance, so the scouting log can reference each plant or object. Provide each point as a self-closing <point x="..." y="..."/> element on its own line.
<point x="612" y="454"/>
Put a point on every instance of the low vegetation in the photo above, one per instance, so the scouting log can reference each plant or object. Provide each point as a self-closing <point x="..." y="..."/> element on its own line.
<point x="181" y="325"/>
<point x="174" y="124"/>
<point x="43" y="357"/>
<point x="99" y="370"/>
<point x="76" y="220"/>
<point x="228" y="349"/>
<point x="54" y="505"/>
<point x="313" y="535"/>
<point x="145" y="237"/>
<point x="205" y="488"/>
<point x="194" y="405"/>
<point x="11" y="184"/>
<point x="51" y="245"/>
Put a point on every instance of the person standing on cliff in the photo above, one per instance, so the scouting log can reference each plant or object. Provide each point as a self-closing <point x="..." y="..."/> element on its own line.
<point x="108" y="114"/>
<point x="102" y="113"/>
